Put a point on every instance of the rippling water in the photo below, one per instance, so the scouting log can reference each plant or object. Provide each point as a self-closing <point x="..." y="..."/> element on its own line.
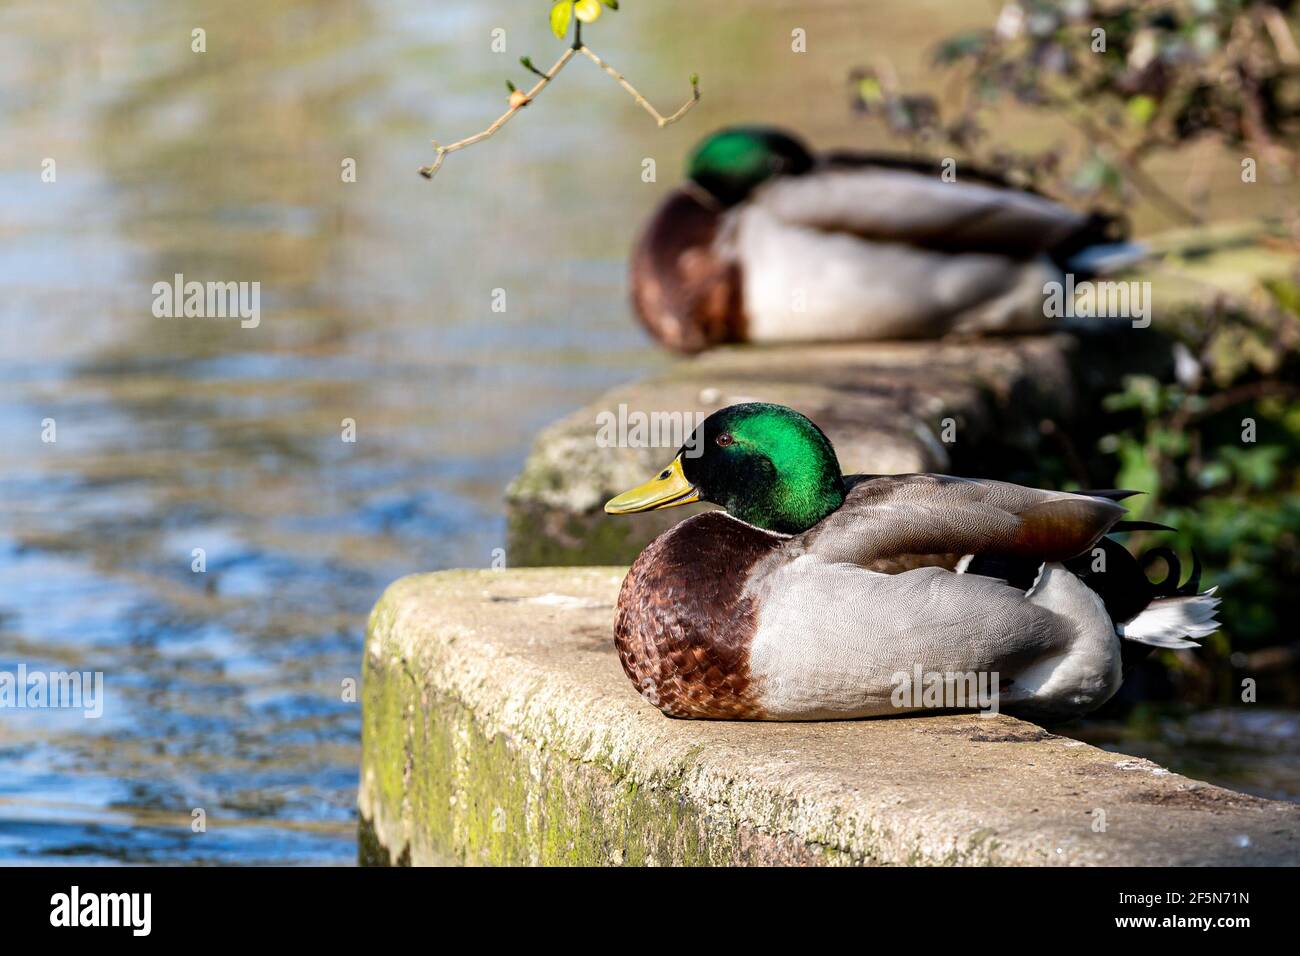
<point x="225" y="689"/>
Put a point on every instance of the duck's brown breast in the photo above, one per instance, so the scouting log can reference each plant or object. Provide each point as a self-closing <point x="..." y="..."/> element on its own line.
<point x="682" y="290"/>
<point x="684" y="624"/>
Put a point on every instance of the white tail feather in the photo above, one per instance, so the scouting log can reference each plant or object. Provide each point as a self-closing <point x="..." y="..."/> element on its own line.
<point x="1173" y="621"/>
<point x="1108" y="258"/>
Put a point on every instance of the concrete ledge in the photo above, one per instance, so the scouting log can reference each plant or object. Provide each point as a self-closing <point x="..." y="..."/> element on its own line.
<point x="499" y="728"/>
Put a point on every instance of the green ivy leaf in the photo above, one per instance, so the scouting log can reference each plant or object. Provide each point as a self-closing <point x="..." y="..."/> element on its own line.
<point x="869" y="90"/>
<point x="1136" y="470"/>
<point x="1141" y="109"/>
<point x="561" y="16"/>
<point x="1284" y="292"/>
<point x="1213" y="475"/>
<point x="959" y="47"/>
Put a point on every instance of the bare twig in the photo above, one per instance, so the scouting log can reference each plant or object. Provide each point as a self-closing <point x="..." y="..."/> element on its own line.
<point x="1280" y="33"/>
<point x="663" y="121"/>
<point x="520" y="100"/>
<point x="1212" y="405"/>
<point x="516" y="105"/>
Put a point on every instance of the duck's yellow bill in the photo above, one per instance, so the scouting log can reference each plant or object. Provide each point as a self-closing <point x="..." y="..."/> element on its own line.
<point x="667" y="489"/>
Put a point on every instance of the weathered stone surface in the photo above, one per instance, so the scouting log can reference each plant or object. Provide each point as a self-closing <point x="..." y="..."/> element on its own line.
<point x="499" y="728"/>
<point x="882" y="405"/>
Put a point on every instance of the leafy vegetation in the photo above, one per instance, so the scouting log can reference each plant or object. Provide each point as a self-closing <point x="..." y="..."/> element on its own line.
<point x="1216" y="450"/>
<point x="563" y="12"/>
<point x="1134" y="78"/>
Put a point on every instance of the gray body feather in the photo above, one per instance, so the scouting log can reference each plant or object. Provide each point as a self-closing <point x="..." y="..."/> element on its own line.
<point x="876" y="253"/>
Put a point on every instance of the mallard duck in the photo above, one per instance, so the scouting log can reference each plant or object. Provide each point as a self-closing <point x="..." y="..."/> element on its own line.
<point x="768" y="243"/>
<point x="811" y="593"/>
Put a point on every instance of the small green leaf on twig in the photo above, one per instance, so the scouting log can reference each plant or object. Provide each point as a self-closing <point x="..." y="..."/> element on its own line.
<point x="561" y="16"/>
<point x="1141" y="109"/>
<point x="612" y="4"/>
<point x="869" y="90"/>
<point x="561" y="19"/>
<point x="587" y="11"/>
<point x="695" y="79"/>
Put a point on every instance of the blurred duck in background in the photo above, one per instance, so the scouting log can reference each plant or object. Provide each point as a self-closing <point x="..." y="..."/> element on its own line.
<point x="767" y="242"/>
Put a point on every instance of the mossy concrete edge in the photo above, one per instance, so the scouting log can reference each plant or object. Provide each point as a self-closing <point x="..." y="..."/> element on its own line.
<point x="498" y="729"/>
<point x="440" y="785"/>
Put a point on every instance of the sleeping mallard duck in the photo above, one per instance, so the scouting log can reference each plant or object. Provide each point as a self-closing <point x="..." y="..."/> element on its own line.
<point x="769" y="243"/>
<point x="812" y="592"/>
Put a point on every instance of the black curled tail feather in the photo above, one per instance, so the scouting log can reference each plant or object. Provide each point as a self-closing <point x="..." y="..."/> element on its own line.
<point x="1098" y="229"/>
<point x="1122" y="584"/>
<point x="1178" y="615"/>
<point x="1123" y="526"/>
<point x="1117" y="578"/>
<point x="1170" y="587"/>
<point x="1193" y="585"/>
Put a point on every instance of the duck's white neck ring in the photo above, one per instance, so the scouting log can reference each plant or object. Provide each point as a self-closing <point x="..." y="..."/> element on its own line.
<point x="768" y="531"/>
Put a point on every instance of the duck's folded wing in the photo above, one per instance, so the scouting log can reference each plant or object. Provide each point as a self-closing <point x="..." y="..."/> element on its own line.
<point x="897" y="522"/>
<point x="900" y="205"/>
<point x="832" y="641"/>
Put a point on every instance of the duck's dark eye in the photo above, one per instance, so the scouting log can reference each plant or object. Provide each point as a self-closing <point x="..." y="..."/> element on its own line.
<point x="663" y="474"/>
<point x="724" y="440"/>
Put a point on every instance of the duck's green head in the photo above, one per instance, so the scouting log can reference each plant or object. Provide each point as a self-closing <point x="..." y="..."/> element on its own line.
<point x="732" y="162"/>
<point x="765" y="464"/>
